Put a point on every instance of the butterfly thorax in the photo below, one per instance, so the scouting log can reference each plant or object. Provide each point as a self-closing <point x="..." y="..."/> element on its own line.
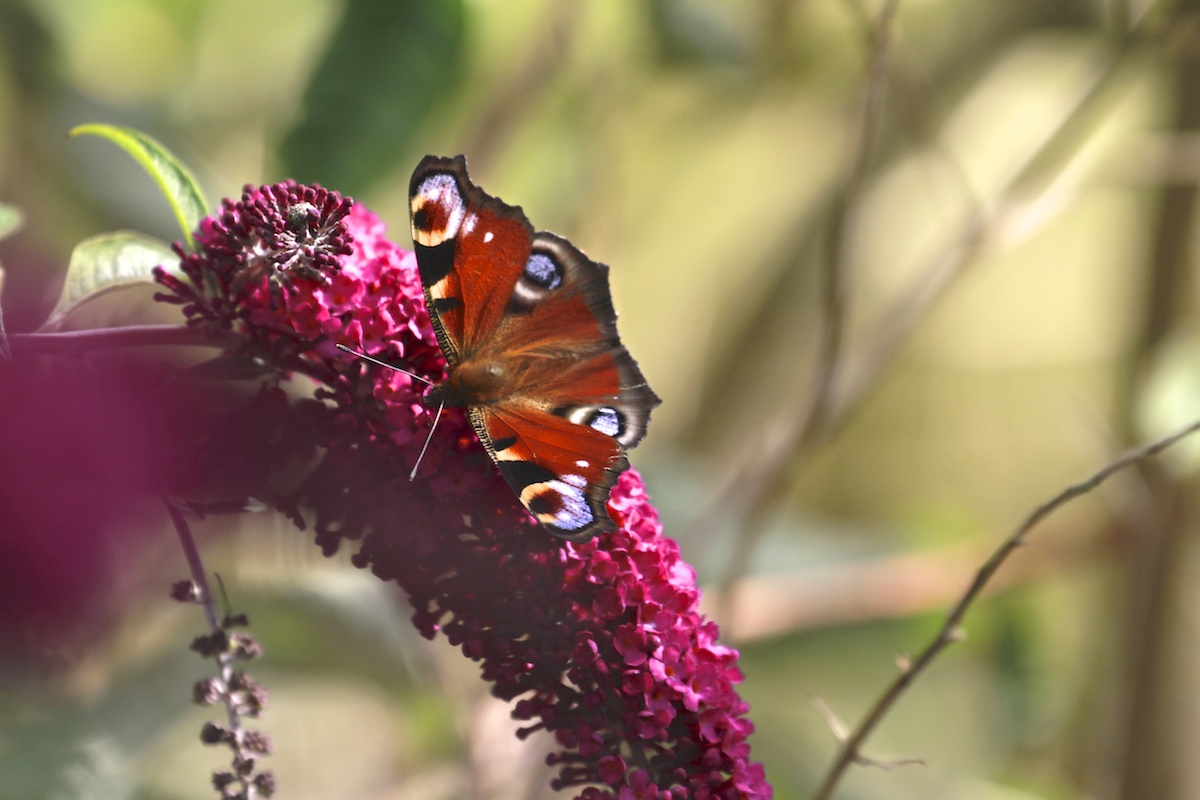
<point x="477" y="382"/>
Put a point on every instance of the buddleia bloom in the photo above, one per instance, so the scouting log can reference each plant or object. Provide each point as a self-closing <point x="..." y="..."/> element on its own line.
<point x="600" y="644"/>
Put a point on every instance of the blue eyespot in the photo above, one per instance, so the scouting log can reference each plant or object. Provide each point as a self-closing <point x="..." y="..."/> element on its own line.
<point x="606" y="420"/>
<point x="542" y="270"/>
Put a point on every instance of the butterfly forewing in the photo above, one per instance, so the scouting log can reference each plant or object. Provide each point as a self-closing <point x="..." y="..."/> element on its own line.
<point x="529" y="332"/>
<point x="467" y="244"/>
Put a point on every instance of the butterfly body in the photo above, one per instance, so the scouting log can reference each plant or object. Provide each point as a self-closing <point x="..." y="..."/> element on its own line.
<point x="527" y="326"/>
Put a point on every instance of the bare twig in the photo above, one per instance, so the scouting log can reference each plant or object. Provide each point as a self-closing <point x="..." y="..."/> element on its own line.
<point x="839" y="731"/>
<point x="950" y="631"/>
<point x="900" y="319"/>
<point x="895" y="585"/>
<point x="841" y="223"/>
<point x="1156" y="574"/>
<point x="524" y="85"/>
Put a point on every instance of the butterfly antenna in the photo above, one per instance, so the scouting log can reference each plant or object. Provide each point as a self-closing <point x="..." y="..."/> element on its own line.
<point x="374" y="360"/>
<point x="412" y="475"/>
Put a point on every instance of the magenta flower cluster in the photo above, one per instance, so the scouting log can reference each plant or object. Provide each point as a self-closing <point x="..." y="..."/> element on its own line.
<point x="601" y="644"/>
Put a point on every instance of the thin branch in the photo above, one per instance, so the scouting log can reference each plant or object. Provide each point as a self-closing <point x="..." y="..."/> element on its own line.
<point x="896" y="585"/>
<point x="833" y="306"/>
<point x="1156" y="574"/>
<point x="950" y="631"/>
<point x="901" y="318"/>
<point x="841" y="225"/>
<point x="523" y="87"/>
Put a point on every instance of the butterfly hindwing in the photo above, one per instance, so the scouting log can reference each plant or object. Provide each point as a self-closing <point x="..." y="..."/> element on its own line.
<point x="529" y="332"/>
<point x="561" y="471"/>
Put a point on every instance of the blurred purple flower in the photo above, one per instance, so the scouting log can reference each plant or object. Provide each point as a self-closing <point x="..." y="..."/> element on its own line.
<point x="600" y="643"/>
<point x="81" y="482"/>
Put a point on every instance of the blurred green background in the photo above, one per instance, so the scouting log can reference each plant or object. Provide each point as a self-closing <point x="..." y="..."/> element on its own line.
<point x="1004" y="194"/>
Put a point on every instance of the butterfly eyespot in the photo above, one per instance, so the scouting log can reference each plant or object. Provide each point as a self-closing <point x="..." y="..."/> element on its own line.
<point x="437" y="210"/>
<point x="543" y="502"/>
<point x="607" y="420"/>
<point x="541" y="276"/>
<point x="542" y="270"/>
<point x="560" y="503"/>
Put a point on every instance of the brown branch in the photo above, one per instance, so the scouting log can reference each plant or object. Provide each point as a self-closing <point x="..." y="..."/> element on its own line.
<point x="895" y="585"/>
<point x="901" y="318"/>
<point x="1157" y="573"/>
<point x="832" y="335"/>
<point x="511" y="98"/>
<point x="842" y="222"/>
<point x="950" y="631"/>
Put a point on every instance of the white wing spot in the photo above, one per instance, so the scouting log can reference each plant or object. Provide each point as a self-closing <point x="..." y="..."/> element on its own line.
<point x="468" y="223"/>
<point x="487" y="237"/>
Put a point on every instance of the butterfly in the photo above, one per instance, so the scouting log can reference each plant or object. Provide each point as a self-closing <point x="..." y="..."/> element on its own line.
<point x="527" y="326"/>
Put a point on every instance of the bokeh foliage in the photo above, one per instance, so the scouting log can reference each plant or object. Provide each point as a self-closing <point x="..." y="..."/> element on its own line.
<point x="1041" y="153"/>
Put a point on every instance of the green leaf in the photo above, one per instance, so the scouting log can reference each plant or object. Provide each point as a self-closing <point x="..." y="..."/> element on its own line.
<point x="107" y="263"/>
<point x="10" y="220"/>
<point x="387" y="65"/>
<point x="231" y="367"/>
<point x="689" y="33"/>
<point x="175" y="180"/>
<point x="5" y="348"/>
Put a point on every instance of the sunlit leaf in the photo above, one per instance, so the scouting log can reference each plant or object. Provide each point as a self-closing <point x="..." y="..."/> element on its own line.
<point x="688" y="32"/>
<point x="387" y="65"/>
<point x="107" y="263"/>
<point x="10" y="220"/>
<point x="5" y="348"/>
<point x="231" y="367"/>
<point x="174" y="179"/>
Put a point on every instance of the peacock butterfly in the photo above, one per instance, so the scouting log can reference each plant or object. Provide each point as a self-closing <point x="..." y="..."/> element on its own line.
<point x="527" y="326"/>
